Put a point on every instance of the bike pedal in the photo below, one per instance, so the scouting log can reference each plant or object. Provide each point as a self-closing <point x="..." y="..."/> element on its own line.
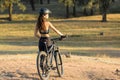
<point x="43" y="75"/>
<point x="53" y="68"/>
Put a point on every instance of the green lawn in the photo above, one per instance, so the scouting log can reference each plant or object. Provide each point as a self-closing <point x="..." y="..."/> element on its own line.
<point x="83" y="35"/>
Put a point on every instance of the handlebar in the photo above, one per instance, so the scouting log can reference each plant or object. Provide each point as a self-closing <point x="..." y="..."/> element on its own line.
<point x="55" y="39"/>
<point x="59" y="38"/>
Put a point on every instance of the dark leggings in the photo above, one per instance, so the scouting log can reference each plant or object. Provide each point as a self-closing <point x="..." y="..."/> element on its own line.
<point x="42" y="41"/>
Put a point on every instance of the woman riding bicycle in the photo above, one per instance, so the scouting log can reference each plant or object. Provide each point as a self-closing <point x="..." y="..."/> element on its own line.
<point x="42" y="29"/>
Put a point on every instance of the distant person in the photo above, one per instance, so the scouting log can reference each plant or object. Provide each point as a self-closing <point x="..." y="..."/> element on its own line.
<point x="42" y="29"/>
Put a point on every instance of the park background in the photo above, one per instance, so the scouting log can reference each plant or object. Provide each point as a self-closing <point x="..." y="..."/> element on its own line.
<point x="90" y="39"/>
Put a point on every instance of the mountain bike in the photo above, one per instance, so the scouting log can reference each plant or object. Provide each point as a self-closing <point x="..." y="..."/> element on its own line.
<point x="49" y="60"/>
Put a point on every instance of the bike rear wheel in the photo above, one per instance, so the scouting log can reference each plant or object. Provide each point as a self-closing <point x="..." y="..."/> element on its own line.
<point x="59" y="64"/>
<point x="42" y="66"/>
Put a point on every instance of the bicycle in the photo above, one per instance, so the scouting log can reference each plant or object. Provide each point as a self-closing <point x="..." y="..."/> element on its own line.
<point x="45" y="61"/>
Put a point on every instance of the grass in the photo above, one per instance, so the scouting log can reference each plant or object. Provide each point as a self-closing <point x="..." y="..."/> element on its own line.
<point x="84" y="35"/>
<point x="84" y="32"/>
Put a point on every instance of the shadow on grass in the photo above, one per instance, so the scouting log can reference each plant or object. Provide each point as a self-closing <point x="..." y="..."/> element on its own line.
<point x="18" y="52"/>
<point x="19" y="41"/>
<point x="25" y="43"/>
<point x="98" y="53"/>
<point x="19" y="22"/>
<point x="87" y="21"/>
<point x="65" y="20"/>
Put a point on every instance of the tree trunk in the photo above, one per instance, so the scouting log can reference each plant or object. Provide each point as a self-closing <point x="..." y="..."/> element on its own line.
<point x="48" y="1"/>
<point x="32" y="4"/>
<point x="10" y="11"/>
<point x="67" y="11"/>
<point x="91" y="11"/>
<point x="41" y="1"/>
<point x="104" y="16"/>
<point x="74" y="9"/>
<point x="85" y="12"/>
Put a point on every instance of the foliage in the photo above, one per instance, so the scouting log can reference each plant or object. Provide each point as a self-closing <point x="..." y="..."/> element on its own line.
<point x="4" y="4"/>
<point x="105" y="4"/>
<point x="83" y="32"/>
<point x="86" y="3"/>
<point x="67" y="2"/>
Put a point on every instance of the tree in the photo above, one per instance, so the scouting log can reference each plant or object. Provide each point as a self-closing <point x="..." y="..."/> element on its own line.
<point x="67" y="4"/>
<point x="41" y="1"/>
<point x="32" y="4"/>
<point x="87" y="5"/>
<point x="48" y="1"/>
<point x="74" y="8"/>
<point x="104" y="7"/>
<point x="8" y="4"/>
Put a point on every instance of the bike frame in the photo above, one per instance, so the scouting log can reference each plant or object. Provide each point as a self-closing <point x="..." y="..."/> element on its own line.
<point x="51" y="50"/>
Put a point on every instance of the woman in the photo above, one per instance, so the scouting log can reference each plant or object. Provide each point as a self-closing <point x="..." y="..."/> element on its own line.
<point x="42" y="29"/>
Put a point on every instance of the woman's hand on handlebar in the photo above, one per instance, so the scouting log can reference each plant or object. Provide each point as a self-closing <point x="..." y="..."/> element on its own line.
<point x="63" y="37"/>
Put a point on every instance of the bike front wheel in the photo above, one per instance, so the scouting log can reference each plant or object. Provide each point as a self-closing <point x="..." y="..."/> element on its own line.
<point x="59" y="64"/>
<point x="42" y="66"/>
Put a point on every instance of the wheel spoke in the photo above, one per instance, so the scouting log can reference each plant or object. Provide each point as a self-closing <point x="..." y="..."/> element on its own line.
<point x="59" y="65"/>
<point x="42" y="66"/>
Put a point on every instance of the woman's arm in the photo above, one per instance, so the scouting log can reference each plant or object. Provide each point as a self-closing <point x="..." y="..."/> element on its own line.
<point x="36" y="32"/>
<point x="57" y="31"/>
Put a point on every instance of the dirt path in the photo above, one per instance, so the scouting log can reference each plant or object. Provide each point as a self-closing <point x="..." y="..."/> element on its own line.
<point x="23" y="67"/>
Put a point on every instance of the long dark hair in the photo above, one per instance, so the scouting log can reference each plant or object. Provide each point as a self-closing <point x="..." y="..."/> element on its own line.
<point x="41" y="22"/>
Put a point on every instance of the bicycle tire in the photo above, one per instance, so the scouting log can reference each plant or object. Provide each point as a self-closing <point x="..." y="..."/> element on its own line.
<point x="59" y="64"/>
<point x="39" y="69"/>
